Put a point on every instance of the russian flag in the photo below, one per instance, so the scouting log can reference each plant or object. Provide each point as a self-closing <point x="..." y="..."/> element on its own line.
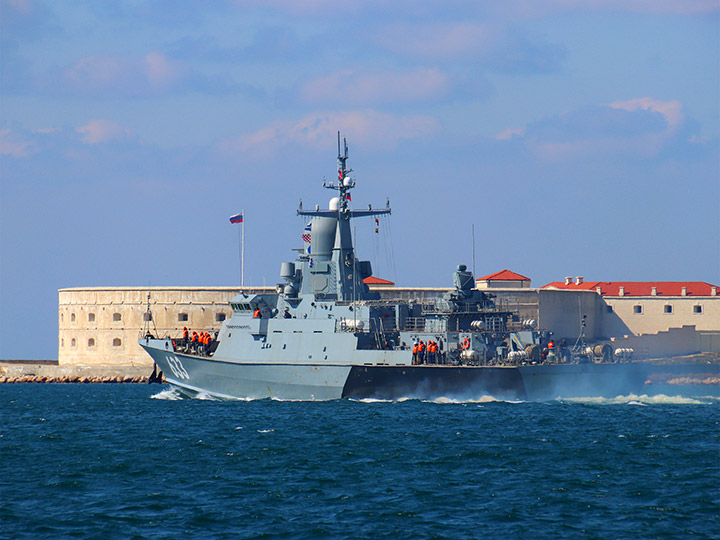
<point x="237" y="218"/>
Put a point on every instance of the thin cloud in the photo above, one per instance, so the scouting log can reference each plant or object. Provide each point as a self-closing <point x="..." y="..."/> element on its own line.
<point x="14" y="145"/>
<point x="491" y="45"/>
<point x="672" y="111"/>
<point x="101" y="130"/>
<point x="643" y="127"/>
<point x="318" y="130"/>
<point x="358" y="88"/>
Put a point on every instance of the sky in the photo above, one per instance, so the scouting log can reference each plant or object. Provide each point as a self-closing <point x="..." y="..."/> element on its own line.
<point x="555" y="138"/>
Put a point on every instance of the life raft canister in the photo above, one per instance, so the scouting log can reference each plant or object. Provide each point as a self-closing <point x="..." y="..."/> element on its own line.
<point x="466" y="344"/>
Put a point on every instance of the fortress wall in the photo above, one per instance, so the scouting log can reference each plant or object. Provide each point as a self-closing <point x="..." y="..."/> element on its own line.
<point x="101" y="326"/>
<point x="702" y="312"/>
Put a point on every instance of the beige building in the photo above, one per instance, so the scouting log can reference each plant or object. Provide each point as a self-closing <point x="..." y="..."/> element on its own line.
<point x="648" y="307"/>
<point x="101" y="325"/>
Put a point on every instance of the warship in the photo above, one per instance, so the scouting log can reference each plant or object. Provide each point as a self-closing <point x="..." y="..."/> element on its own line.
<point x="324" y="335"/>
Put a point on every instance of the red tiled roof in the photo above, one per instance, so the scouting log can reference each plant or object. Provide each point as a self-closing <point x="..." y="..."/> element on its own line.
<point x="504" y="275"/>
<point x="639" y="288"/>
<point x="372" y="280"/>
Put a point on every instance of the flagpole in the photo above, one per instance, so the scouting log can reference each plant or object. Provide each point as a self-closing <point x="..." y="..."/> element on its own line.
<point x="242" y="253"/>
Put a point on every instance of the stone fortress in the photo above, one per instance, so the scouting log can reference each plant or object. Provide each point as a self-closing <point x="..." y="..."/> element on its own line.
<point x="100" y="326"/>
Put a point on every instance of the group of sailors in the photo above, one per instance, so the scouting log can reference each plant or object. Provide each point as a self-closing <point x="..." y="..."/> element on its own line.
<point x="197" y="343"/>
<point x="427" y="353"/>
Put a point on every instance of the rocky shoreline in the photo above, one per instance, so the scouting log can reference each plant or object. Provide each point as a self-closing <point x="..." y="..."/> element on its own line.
<point x="48" y="372"/>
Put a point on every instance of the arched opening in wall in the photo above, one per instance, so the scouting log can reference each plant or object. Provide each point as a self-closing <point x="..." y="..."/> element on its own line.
<point x="697" y="309"/>
<point x="72" y="317"/>
<point x="117" y="317"/>
<point x="182" y="317"/>
<point x="117" y="342"/>
<point x="91" y="342"/>
<point x="668" y="308"/>
<point x="637" y="309"/>
<point x="91" y="317"/>
<point x="220" y="317"/>
<point x="73" y="343"/>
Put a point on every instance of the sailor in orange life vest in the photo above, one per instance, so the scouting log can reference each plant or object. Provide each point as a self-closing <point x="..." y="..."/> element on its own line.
<point x="257" y="314"/>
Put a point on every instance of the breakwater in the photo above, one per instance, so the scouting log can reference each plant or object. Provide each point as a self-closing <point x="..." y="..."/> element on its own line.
<point x="51" y="372"/>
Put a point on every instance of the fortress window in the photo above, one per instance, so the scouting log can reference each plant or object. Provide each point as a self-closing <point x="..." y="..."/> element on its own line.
<point x="72" y="317"/>
<point x="697" y="309"/>
<point x="117" y="317"/>
<point x="637" y="309"/>
<point x="668" y="308"/>
<point x="62" y="317"/>
<point x="182" y="317"/>
<point x="147" y="316"/>
<point x="91" y="317"/>
<point x="73" y="343"/>
<point x="117" y="342"/>
<point x="91" y="342"/>
<point x="609" y="309"/>
<point x="219" y="317"/>
<point x="62" y="342"/>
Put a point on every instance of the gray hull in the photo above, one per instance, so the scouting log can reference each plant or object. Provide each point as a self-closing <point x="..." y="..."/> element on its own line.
<point x="233" y="380"/>
<point x="225" y="379"/>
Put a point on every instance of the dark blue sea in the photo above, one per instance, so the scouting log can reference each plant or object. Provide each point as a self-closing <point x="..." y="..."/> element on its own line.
<point x="134" y="461"/>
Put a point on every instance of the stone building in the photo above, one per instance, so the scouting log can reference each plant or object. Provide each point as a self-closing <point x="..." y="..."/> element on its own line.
<point x="647" y="307"/>
<point x="101" y="325"/>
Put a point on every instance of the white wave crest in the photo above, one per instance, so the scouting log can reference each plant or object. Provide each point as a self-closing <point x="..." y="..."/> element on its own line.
<point x="204" y="396"/>
<point x="374" y="400"/>
<point x="644" y="399"/>
<point x="169" y="394"/>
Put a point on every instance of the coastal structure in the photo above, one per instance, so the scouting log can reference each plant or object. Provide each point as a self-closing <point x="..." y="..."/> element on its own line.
<point x="647" y="307"/>
<point x="100" y="325"/>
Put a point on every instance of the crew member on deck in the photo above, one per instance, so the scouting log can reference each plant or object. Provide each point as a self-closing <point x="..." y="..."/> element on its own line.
<point x="257" y="314"/>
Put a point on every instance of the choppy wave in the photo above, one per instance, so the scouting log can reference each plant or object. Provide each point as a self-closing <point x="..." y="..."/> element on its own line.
<point x="168" y="394"/>
<point x="550" y="470"/>
<point x="644" y="399"/>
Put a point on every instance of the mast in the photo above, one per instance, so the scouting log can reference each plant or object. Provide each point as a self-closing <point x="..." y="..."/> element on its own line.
<point x="342" y="258"/>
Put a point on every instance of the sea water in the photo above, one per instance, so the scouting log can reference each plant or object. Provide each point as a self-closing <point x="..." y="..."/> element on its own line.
<point x="137" y="461"/>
